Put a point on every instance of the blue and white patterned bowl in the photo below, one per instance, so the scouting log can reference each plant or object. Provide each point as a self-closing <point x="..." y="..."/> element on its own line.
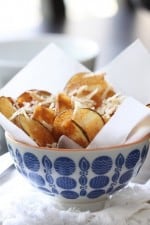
<point x="79" y="177"/>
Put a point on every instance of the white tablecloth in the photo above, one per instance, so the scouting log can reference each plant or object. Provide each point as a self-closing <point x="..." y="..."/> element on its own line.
<point x="21" y="204"/>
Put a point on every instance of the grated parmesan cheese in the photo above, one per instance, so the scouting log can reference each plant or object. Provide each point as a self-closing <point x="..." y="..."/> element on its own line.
<point x="110" y="105"/>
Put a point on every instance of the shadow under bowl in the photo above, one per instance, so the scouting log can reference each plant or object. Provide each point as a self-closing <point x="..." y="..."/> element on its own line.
<point x="77" y="177"/>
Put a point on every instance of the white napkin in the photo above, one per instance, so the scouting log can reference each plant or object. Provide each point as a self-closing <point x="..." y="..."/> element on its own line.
<point x="27" y="206"/>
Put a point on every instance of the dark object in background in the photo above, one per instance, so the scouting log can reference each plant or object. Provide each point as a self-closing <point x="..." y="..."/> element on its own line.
<point x="58" y="8"/>
<point x="53" y="10"/>
<point x="146" y="3"/>
<point x="138" y="3"/>
<point x="54" y="16"/>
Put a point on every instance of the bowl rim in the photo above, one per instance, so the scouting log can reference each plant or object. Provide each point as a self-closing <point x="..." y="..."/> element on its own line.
<point x="109" y="148"/>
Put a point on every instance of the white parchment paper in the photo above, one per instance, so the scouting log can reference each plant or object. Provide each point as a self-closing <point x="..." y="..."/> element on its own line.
<point x="129" y="72"/>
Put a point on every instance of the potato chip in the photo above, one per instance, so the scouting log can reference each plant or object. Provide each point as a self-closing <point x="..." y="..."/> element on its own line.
<point x="40" y="134"/>
<point x="89" y="85"/>
<point x="64" y="125"/>
<point x="63" y="102"/>
<point x="31" y="96"/>
<point x="89" y="120"/>
<point x="7" y="107"/>
<point x="44" y="115"/>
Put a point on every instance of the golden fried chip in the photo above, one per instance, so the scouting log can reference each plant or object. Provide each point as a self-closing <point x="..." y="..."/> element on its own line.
<point x="89" y="85"/>
<point x="90" y="121"/>
<point x="24" y="97"/>
<point x="74" y="80"/>
<point x="44" y="115"/>
<point x="7" y="107"/>
<point x="64" y="125"/>
<point x="40" y="134"/>
<point x="63" y="102"/>
<point x="32" y="95"/>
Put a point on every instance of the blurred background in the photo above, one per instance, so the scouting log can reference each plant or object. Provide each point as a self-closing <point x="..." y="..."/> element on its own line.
<point x="113" y="24"/>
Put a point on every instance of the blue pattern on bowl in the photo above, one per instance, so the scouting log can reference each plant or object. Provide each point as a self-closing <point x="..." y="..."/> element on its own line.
<point x="125" y="177"/>
<point x="66" y="182"/>
<point x="31" y="161"/>
<point x="69" y="194"/>
<point x="64" y="166"/>
<point x="37" y="179"/>
<point x="102" y="165"/>
<point x="132" y="159"/>
<point x="82" y="177"/>
<point x="99" y="182"/>
<point x="96" y="193"/>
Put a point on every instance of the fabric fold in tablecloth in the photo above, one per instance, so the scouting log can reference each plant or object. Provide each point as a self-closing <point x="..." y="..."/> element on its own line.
<point x="22" y="204"/>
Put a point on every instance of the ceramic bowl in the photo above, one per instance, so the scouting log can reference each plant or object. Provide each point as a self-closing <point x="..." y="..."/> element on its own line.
<point x="79" y="178"/>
